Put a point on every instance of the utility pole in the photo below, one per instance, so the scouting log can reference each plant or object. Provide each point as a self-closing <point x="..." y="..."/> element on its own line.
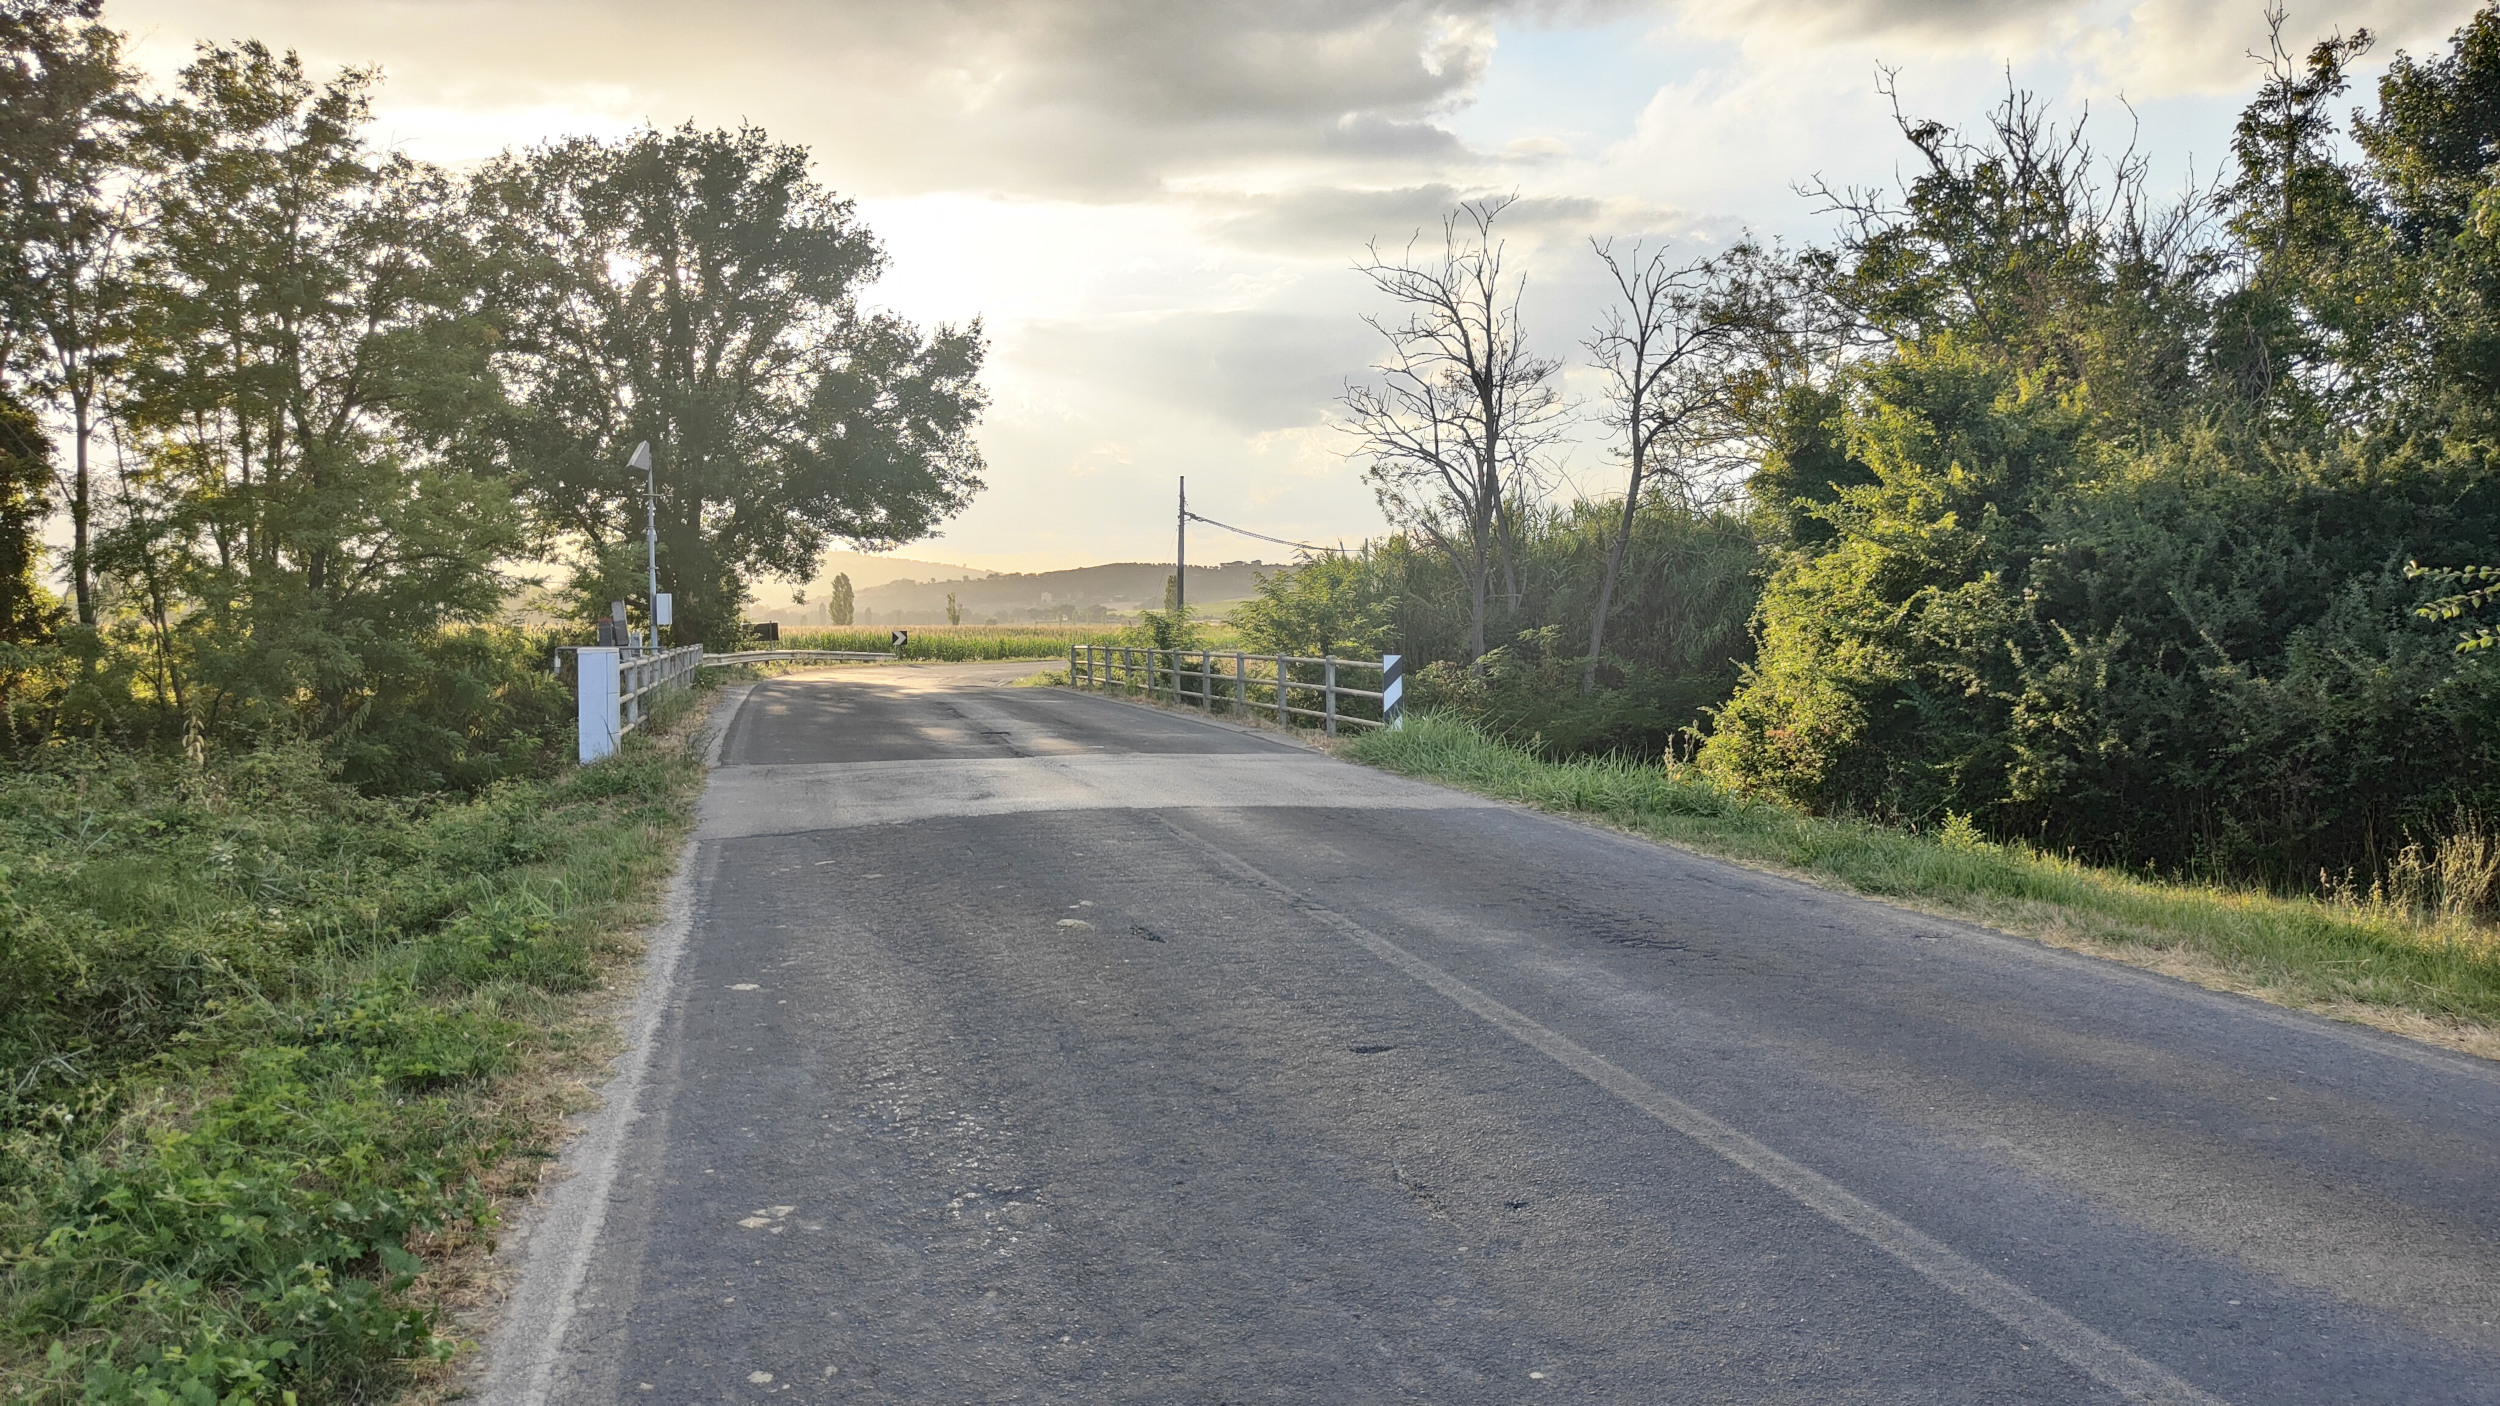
<point x="1180" y="560"/>
<point x="650" y="529"/>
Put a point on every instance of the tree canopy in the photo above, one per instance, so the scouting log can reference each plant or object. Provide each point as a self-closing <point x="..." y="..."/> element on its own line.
<point x="320" y="400"/>
<point x="697" y="290"/>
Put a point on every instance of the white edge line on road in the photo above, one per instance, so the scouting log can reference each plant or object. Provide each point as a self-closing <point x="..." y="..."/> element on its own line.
<point x="2085" y="1348"/>
<point x="727" y="713"/>
<point x="522" y="1352"/>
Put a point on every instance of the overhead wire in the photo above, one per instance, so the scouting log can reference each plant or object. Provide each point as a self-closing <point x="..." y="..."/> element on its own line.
<point x="1279" y="541"/>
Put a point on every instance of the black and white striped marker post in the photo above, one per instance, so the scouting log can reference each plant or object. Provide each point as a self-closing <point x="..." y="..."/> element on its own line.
<point x="1393" y="690"/>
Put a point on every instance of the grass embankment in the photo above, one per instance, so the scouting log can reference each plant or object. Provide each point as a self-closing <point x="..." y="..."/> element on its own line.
<point x="966" y="643"/>
<point x="2416" y="972"/>
<point x="272" y="1048"/>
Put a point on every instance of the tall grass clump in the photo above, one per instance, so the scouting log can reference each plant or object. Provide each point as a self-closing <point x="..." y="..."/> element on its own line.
<point x="2420" y="945"/>
<point x="257" y="1033"/>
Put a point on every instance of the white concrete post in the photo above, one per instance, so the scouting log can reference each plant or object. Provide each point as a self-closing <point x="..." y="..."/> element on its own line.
<point x="598" y="669"/>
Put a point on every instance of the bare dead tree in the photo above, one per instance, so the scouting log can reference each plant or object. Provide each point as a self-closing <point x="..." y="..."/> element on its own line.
<point x="1674" y="352"/>
<point x="1455" y="427"/>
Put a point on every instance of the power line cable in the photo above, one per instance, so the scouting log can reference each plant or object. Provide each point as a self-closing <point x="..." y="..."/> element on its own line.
<point x="1279" y="541"/>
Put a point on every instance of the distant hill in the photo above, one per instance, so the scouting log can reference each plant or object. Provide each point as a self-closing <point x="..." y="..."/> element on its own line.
<point x="1103" y="592"/>
<point x="866" y="571"/>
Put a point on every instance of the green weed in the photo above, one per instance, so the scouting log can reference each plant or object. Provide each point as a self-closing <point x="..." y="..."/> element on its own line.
<point x="256" y="1033"/>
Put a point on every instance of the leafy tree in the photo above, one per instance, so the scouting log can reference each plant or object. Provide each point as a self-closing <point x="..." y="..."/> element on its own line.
<point x="2481" y="587"/>
<point x="840" y="603"/>
<point x="1331" y="603"/>
<point x="1882" y="683"/>
<point x="71" y="131"/>
<point x="2100" y="535"/>
<point x="312" y="349"/>
<point x="698" y="290"/>
<point x="2433" y="353"/>
<point x="2025" y="242"/>
<point x="2280" y="337"/>
<point x="26" y="612"/>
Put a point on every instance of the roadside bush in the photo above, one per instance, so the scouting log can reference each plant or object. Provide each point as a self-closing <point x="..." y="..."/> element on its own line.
<point x="2192" y="657"/>
<point x="250" y="1024"/>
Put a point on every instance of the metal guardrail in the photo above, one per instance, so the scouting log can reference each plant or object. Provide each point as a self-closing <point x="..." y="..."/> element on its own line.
<point x="613" y="684"/>
<point x="799" y="656"/>
<point x="1259" y="684"/>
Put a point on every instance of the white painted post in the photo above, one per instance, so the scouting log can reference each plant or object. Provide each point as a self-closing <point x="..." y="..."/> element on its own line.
<point x="1393" y="690"/>
<point x="599" y="671"/>
<point x="1328" y="689"/>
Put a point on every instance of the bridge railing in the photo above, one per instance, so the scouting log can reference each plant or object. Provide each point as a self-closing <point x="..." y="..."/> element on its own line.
<point x="613" y="684"/>
<point x="1279" y="686"/>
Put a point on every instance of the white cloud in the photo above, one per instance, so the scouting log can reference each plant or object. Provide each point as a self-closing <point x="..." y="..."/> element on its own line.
<point x="1154" y="205"/>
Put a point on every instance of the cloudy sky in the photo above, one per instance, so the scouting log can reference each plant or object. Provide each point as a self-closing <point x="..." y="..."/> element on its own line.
<point x="1155" y="203"/>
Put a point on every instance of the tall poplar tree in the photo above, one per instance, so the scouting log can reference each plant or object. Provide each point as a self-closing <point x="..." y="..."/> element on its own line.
<point x="700" y="291"/>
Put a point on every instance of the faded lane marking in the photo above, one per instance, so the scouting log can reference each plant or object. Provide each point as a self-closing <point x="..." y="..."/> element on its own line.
<point x="2083" y="1347"/>
<point x="790" y="799"/>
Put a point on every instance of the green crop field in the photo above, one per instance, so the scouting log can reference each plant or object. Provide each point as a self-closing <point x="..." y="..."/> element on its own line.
<point x="962" y="643"/>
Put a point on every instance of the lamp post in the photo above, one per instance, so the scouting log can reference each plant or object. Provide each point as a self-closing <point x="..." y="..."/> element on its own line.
<point x="650" y="530"/>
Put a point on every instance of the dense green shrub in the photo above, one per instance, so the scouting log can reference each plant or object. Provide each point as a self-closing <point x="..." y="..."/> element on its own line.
<point x="1676" y="636"/>
<point x="2102" y="541"/>
<point x="2191" y="656"/>
<point x="247" y="1018"/>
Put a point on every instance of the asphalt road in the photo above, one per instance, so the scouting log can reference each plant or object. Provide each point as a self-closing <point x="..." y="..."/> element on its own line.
<point x="1016" y="1045"/>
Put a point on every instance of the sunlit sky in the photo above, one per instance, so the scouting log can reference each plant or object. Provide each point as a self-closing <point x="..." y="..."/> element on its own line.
<point x="1155" y="204"/>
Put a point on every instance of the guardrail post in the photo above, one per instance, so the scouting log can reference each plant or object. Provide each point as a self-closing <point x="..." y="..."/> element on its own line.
<point x="1282" y="719"/>
<point x="1206" y="681"/>
<point x="1328" y="688"/>
<point x="1393" y="690"/>
<point x="1241" y="684"/>
<point x="595" y="719"/>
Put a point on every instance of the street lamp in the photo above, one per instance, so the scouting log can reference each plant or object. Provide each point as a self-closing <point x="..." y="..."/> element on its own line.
<point x="660" y="611"/>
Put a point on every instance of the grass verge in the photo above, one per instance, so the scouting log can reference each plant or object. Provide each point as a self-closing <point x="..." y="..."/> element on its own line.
<point x="2416" y="974"/>
<point x="273" y="1051"/>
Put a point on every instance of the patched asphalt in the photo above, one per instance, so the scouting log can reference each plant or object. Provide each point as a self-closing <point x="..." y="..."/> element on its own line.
<point x="1017" y="1045"/>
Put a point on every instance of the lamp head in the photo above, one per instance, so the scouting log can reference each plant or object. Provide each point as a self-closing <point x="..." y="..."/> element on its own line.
<point x="642" y="457"/>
